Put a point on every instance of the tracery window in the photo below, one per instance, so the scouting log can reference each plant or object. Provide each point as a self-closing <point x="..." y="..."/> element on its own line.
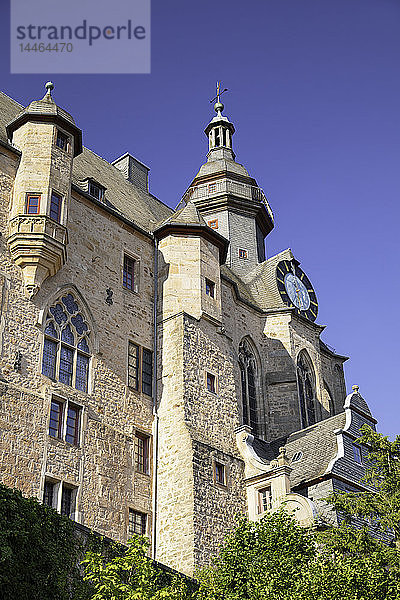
<point x="248" y="375"/>
<point x="66" y="348"/>
<point x="305" y="380"/>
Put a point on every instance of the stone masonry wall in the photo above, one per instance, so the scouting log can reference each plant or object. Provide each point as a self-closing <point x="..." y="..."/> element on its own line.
<point x="102" y="466"/>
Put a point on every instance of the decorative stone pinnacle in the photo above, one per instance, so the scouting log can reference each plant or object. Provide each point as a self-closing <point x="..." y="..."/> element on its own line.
<point x="355" y="388"/>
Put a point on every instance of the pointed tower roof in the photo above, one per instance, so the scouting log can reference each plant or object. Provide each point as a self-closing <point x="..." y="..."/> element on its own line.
<point x="188" y="221"/>
<point x="46" y="110"/>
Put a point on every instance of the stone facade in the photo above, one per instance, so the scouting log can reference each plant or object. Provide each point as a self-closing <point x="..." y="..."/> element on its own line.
<point x="150" y="364"/>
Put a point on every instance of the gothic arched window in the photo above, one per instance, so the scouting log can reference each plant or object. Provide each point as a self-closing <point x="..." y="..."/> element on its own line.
<point x="248" y="375"/>
<point x="66" y="348"/>
<point x="306" y="383"/>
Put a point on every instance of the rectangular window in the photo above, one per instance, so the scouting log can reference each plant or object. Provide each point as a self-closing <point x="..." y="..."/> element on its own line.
<point x="67" y="500"/>
<point x="242" y="253"/>
<point x="142" y="453"/>
<point x="49" y="358"/>
<point x="210" y="288"/>
<point x="32" y="206"/>
<point x="62" y="140"/>
<point x="56" y="417"/>
<point x="357" y="454"/>
<point x="147" y="372"/>
<point x="72" y="429"/>
<point x="212" y="188"/>
<point x="128" y="280"/>
<point x="55" y="207"/>
<point x="48" y="493"/>
<point x="82" y="372"/>
<point x="210" y="380"/>
<point x="137" y="523"/>
<point x="213" y="223"/>
<point x="96" y="190"/>
<point x="264" y="500"/>
<point x="220" y="473"/>
<point x="133" y="366"/>
<point x="66" y="365"/>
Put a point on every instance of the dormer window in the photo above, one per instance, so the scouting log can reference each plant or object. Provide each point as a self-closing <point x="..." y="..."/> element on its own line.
<point x="96" y="190"/>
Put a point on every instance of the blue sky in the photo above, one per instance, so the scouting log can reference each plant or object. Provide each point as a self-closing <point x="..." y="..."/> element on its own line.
<point x="314" y="93"/>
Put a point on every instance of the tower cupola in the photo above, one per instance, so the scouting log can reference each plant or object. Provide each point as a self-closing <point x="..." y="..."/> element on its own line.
<point x="228" y="198"/>
<point x="219" y="132"/>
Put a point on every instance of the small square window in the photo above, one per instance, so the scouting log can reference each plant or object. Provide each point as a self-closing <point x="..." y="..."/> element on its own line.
<point x="264" y="499"/>
<point x="62" y="140"/>
<point x="142" y="453"/>
<point x="242" y="253"/>
<point x="210" y="288"/>
<point x="357" y="454"/>
<point x="96" y="190"/>
<point x="32" y="205"/>
<point x="220" y="473"/>
<point x="211" y="382"/>
<point x="128" y="279"/>
<point x="137" y="523"/>
<point x="212" y="188"/>
<point x="55" y="206"/>
<point x="213" y="223"/>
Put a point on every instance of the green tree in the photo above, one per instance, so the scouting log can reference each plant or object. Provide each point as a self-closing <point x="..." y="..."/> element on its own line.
<point x="380" y="506"/>
<point x="132" y="576"/>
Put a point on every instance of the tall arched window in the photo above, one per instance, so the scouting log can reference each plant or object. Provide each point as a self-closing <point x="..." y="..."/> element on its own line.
<point x="248" y="375"/>
<point x="66" y="348"/>
<point x="306" y="383"/>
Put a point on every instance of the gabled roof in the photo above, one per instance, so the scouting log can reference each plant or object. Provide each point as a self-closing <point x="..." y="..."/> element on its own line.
<point x="317" y="444"/>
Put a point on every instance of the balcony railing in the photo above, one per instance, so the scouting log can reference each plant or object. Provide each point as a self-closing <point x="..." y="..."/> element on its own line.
<point x="38" y="224"/>
<point x="227" y="186"/>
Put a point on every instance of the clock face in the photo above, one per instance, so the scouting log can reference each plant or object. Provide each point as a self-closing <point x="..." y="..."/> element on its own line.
<point x="296" y="290"/>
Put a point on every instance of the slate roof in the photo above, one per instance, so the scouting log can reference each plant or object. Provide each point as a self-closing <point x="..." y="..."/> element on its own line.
<point x="122" y="196"/>
<point x="317" y="444"/>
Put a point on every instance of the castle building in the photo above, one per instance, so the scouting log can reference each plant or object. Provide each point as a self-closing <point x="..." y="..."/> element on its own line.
<point x="159" y="373"/>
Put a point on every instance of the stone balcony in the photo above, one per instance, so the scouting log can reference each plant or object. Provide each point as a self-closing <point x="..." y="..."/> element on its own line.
<point x="37" y="244"/>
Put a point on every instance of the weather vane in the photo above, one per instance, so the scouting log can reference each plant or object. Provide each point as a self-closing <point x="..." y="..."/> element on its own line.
<point x="219" y="93"/>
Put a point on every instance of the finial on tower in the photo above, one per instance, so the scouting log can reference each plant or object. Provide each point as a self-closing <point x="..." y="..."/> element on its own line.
<point x="218" y="106"/>
<point x="49" y="87"/>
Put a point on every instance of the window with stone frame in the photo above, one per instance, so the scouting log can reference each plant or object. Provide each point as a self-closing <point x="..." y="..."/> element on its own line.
<point x="219" y="473"/>
<point x="67" y="342"/>
<point x="62" y="140"/>
<point x="65" y="421"/>
<point x="130" y="273"/>
<point x="142" y="447"/>
<point x="147" y="372"/>
<point x="137" y="524"/>
<point x="32" y="204"/>
<point x="55" y="206"/>
<point x="61" y="496"/>
<point x="211" y="382"/>
<point x="248" y="376"/>
<point x="133" y="365"/>
<point x="210" y="288"/>
<point x="306" y="388"/>
<point x="264" y="503"/>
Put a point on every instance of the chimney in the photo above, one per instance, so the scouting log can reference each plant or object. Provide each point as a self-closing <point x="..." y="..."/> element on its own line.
<point x="133" y="170"/>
